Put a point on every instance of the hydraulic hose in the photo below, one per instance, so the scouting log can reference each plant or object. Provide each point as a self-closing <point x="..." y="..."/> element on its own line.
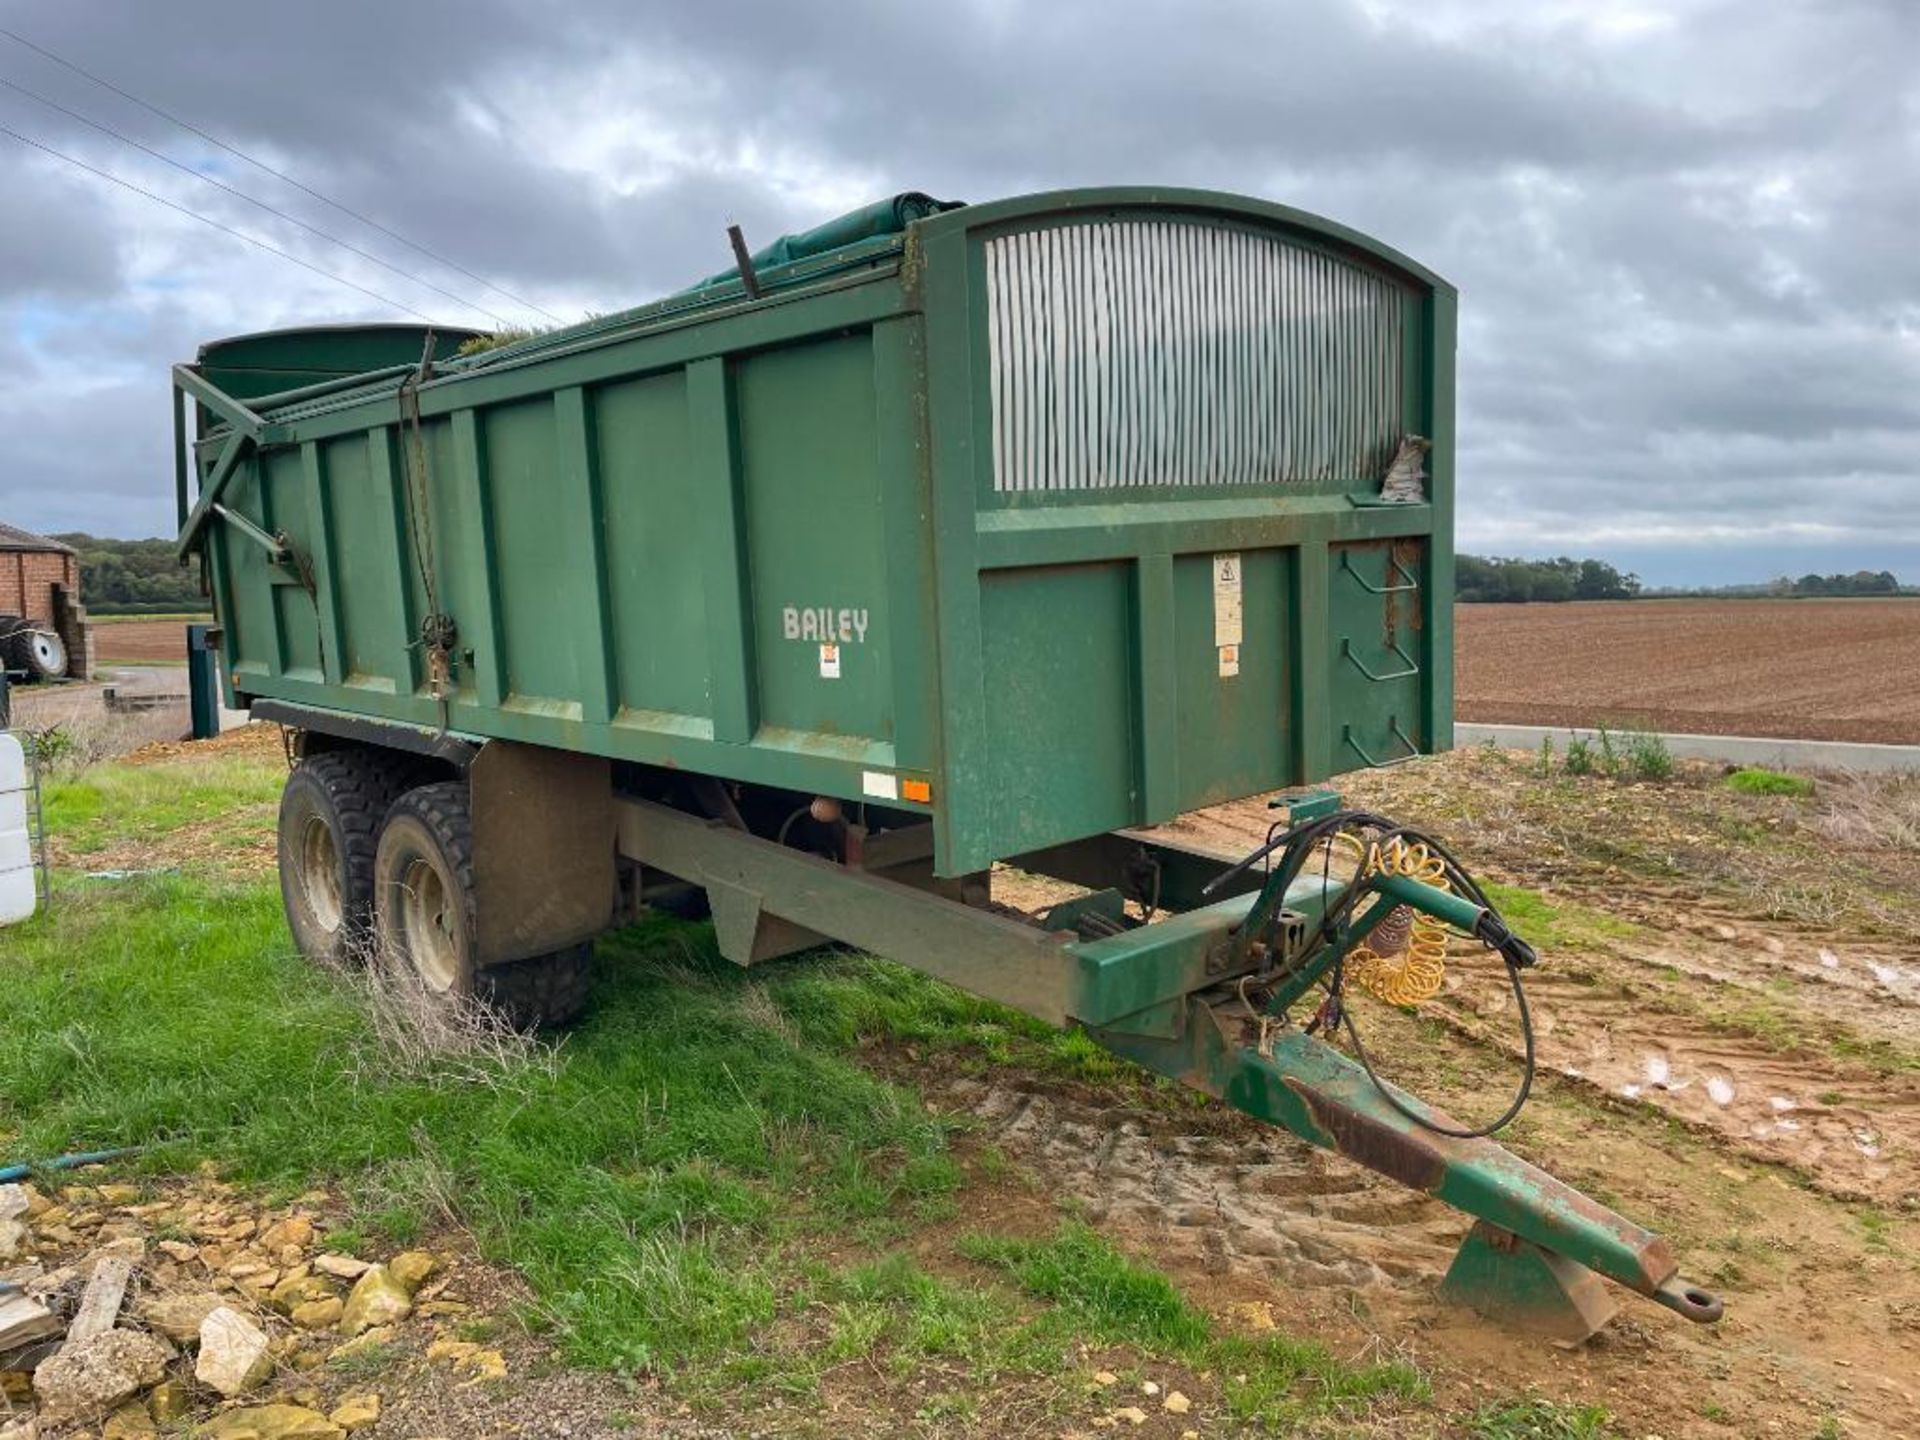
<point x="1296" y="846"/>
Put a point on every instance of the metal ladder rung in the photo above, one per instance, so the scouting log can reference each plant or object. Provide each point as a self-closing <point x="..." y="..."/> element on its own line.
<point x="1408" y="581"/>
<point x="1412" y="666"/>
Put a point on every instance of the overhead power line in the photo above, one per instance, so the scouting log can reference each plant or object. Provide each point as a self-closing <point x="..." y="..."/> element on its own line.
<point x="281" y="175"/>
<point x="217" y="225"/>
<point x="186" y="169"/>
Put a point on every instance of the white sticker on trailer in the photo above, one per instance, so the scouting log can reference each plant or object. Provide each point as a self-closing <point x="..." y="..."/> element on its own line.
<point x="879" y="785"/>
<point x="829" y="662"/>
<point x="1226" y="600"/>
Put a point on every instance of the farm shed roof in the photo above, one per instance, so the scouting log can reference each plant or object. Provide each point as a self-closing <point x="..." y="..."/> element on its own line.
<point x="12" y="537"/>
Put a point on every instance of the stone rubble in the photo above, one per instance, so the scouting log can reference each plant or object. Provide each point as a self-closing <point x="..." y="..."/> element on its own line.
<point x="87" y="1379"/>
<point x="196" y="1293"/>
<point x="235" y="1354"/>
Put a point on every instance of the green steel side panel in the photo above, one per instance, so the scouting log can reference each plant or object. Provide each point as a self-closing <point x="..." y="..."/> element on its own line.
<point x="296" y="614"/>
<point x="446" y="531"/>
<point x="244" y="589"/>
<point x="366" y="581"/>
<point x="1437" y="352"/>
<point x="644" y="443"/>
<point x="1234" y="731"/>
<point x="1153" y="380"/>
<point x="539" y="525"/>
<point x="899" y="380"/>
<point x="816" y="542"/>
<point x="275" y="361"/>
<point x="646" y="531"/>
<point x="1060" y="685"/>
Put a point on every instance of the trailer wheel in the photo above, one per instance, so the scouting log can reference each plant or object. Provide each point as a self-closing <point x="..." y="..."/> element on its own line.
<point x="424" y="914"/>
<point x="330" y="814"/>
<point x="543" y="993"/>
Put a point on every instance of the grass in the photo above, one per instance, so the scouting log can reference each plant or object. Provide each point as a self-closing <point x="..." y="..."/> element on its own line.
<point x="1540" y="1420"/>
<point x="109" y="804"/>
<point x="702" y="1182"/>
<point x="648" y="1185"/>
<point x="1555" y="924"/>
<point x="662" y="1182"/>
<point x="1757" y="781"/>
<point x="666" y="1180"/>
<point x="1272" y="1380"/>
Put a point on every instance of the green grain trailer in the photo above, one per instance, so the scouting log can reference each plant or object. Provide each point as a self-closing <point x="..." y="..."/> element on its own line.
<point x="934" y="539"/>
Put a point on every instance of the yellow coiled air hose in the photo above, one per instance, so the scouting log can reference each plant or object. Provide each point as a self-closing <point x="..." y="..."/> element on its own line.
<point x="1404" y="959"/>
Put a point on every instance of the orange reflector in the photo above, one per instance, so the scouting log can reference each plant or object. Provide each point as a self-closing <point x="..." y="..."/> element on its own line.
<point x="919" y="790"/>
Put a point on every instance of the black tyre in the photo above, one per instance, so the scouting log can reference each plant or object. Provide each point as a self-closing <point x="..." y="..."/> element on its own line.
<point x="544" y="993"/>
<point x="40" y="654"/>
<point x="424" y="915"/>
<point x="330" y="814"/>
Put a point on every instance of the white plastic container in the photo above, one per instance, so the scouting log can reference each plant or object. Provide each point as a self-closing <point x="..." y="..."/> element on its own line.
<point x="19" y="895"/>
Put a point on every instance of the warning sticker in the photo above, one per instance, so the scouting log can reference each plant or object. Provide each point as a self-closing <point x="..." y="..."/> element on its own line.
<point x="1226" y="601"/>
<point x="829" y="662"/>
<point x="1229" y="660"/>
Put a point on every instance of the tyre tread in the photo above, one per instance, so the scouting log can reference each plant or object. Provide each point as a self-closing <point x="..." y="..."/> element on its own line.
<point x="359" y="785"/>
<point x="542" y="992"/>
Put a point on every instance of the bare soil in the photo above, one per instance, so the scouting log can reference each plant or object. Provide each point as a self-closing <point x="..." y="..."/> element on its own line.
<point x="1728" y="1014"/>
<point x="140" y="641"/>
<point x="1795" y="669"/>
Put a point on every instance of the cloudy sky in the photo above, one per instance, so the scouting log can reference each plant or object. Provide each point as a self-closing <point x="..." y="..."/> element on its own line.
<point x="1686" y="232"/>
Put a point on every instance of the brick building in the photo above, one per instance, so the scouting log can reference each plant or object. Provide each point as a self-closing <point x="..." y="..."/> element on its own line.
<point x="40" y="580"/>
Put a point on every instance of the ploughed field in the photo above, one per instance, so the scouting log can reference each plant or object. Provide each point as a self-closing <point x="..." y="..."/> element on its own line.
<point x="140" y="640"/>
<point x="1796" y="669"/>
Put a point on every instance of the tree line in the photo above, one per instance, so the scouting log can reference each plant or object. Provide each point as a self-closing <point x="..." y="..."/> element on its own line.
<point x="133" y="575"/>
<point x="1496" y="580"/>
<point x="1860" y="582"/>
<point x="143" y="575"/>
<point x="1510" y="581"/>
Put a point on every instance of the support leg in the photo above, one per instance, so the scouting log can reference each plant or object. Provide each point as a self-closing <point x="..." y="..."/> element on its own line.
<point x="1517" y="1283"/>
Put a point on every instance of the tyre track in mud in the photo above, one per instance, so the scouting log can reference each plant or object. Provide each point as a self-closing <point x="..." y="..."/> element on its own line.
<point x="1222" y="1194"/>
<point x="1847" y="1128"/>
<point x="1732" y="1025"/>
<point x="1874" y="985"/>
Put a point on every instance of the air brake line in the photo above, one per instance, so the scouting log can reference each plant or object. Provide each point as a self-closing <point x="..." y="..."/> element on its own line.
<point x="1296" y="846"/>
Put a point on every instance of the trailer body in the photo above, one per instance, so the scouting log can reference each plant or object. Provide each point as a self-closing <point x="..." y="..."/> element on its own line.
<point x="1038" y="518"/>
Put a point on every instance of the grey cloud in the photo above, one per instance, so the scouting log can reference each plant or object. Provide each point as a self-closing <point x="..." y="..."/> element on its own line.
<point x="1686" y="257"/>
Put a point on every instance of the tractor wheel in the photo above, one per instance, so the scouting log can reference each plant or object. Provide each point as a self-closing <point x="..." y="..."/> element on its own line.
<point x="330" y="814"/>
<point x="424" y="916"/>
<point x="40" y="654"/>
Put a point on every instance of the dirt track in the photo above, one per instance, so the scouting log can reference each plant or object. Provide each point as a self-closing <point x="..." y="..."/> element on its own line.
<point x="1795" y="669"/>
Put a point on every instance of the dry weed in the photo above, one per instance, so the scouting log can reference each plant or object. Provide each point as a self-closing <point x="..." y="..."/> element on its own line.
<point x="419" y="1032"/>
<point x="758" y="1009"/>
<point x="77" y="742"/>
<point x="1867" y="811"/>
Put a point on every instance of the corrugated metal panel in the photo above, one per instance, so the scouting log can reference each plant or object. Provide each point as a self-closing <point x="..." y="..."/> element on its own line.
<point x="1151" y="353"/>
